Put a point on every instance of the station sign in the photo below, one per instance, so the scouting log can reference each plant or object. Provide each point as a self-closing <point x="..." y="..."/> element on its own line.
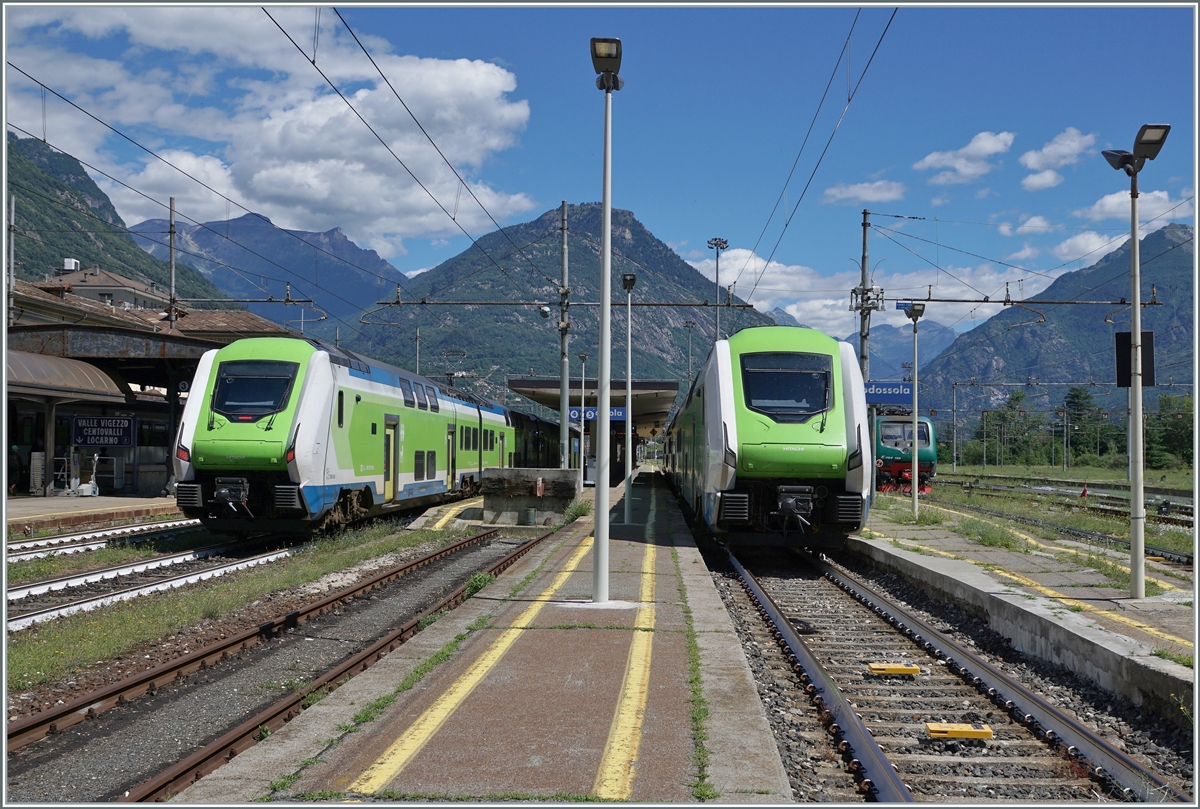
<point x="590" y="413"/>
<point x="102" y="431"/>
<point x="897" y="393"/>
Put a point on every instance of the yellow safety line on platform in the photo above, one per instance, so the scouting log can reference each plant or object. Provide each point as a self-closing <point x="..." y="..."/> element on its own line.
<point x="1046" y="591"/>
<point x="403" y="750"/>
<point x="454" y="512"/>
<point x="1043" y="546"/>
<point x="618" y="765"/>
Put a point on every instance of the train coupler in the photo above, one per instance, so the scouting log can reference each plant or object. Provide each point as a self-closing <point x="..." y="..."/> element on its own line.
<point x="234" y="493"/>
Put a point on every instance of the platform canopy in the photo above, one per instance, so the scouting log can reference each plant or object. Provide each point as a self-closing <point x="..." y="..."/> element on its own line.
<point x="652" y="398"/>
<point x="40" y="377"/>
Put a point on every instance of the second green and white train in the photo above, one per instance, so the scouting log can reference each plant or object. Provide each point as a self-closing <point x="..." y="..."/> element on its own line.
<point x="289" y="435"/>
<point x="771" y="444"/>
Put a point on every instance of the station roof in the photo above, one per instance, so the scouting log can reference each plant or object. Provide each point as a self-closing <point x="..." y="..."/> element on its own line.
<point x="40" y="377"/>
<point x="652" y="398"/>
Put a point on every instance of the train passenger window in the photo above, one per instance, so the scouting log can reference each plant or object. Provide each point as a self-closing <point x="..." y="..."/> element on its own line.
<point x="788" y="387"/>
<point x="474" y="438"/>
<point x="419" y="464"/>
<point x="462" y="437"/>
<point x="431" y="465"/>
<point x="251" y="388"/>
<point x="341" y="408"/>
<point x="406" y="389"/>
<point x="433" y="399"/>
<point x="419" y="389"/>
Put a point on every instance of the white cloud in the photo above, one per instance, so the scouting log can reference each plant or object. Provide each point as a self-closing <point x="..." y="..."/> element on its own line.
<point x="1034" y="224"/>
<point x="879" y="191"/>
<point x="415" y="273"/>
<point x="1028" y="251"/>
<point x="1151" y="204"/>
<point x="969" y="163"/>
<point x="1089" y="245"/>
<point x="1042" y="180"/>
<point x="1064" y="150"/>
<point x="274" y="137"/>
<point x="1005" y="229"/>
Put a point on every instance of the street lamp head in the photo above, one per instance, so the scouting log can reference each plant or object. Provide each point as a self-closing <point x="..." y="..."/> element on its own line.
<point x="718" y="243"/>
<point x="1150" y="140"/>
<point x="582" y="357"/>
<point x="606" y="59"/>
<point x="689" y="324"/>
<point x="1119" y="159"/>
<point x="628" y="279"/>
<point x="544" y="311"/>
<point x="915" y="312"/>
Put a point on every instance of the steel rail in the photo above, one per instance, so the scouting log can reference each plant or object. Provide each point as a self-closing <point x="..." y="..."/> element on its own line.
<point x="868" y="762"/>
<point x="246" y="735"/>
<point x="87" y="540"/>
<point x="31" y="728"/>
<point x="95" y="602"/>
<point x="19" y="591"/>
<point x="1047" y="722"/>
<point x="1150" y="550"/>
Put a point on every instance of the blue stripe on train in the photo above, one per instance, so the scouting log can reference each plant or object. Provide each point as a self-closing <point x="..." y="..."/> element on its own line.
<point x="319" y="499"/>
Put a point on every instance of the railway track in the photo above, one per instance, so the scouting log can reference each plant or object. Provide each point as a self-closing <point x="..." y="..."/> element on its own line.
<point x="911" y="728"/>
<point x="215" y="713"/>
<point x="1163" y="512"/>
<point x="21" y="549"/>
<point x="89" y="593"/>
<point x="1169" y="554"/>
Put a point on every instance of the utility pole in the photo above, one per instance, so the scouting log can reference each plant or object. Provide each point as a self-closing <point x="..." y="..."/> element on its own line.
<point x="418" y="350"/>
<point x="171" y="305"/>
<point x="864" y="298"/>
<point x="717" y="244"/>
<point x="564" y="358"/>
<point x="12" y="263"/>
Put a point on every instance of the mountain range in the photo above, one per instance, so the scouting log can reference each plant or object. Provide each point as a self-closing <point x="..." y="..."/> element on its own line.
<point x="477" y="314"/>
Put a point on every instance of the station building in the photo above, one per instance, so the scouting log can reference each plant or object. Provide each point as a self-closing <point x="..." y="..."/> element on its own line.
<point x="97" y="375"/>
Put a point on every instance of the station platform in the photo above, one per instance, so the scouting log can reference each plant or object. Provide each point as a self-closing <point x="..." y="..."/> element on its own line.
<point x="28" y="515"/>
<point x="544" y="693"/>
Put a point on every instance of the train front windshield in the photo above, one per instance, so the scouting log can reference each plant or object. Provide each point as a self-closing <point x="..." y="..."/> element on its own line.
<point x="896" y="434"/>
<point x="787" y="386"/>
<point x="251" y="388"/>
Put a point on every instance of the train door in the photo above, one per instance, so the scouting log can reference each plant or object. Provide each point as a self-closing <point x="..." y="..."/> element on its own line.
<point x="389" y="438"/>
<point x="451" y="456"/>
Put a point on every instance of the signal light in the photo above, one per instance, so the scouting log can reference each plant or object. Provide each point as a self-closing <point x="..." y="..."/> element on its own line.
<point x="181" y="452"/>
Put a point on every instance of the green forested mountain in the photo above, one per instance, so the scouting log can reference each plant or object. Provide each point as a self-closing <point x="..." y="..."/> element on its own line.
<point x="61" y="214"/>
<point x="523" y="263"/>
<point x="1075" y="343"/>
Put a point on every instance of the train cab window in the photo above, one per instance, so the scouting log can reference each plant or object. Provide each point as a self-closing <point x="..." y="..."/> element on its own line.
<point x="419" y="465"/>
<point x="788" y="387"/>
<point x="433" y="399"/>
<point x="899" y="434"/>
<point x="249" y="389"/>
<point x="431" y="465"/>
<point x="422" y="402"/>
<point x="406" y="389"/>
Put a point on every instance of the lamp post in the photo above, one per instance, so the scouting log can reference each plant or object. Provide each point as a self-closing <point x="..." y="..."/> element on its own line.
<point x="1149" y="141"/>
<point x="564" y="345"/>
<point x="606" y="60"/>
<point x="582" y="407"/>
<point x="628" y="279"/>
<point x="914" y="312"/>
<point x="718" y="244"/>
<point x="689" y="325"/>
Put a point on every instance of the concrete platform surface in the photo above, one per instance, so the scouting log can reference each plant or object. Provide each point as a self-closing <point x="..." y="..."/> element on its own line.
<point x="543" y="691"/>
<point x="65" y="512"/>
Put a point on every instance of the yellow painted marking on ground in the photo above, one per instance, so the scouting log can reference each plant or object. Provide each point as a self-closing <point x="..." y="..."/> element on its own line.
<point x="618" y="765"/>
<point x="403" y="750"/>
<point x="949" y="730"/>
<point x="893" y="668"/>
<point x="1066" y="600"/>
<point x="454" y="512"/>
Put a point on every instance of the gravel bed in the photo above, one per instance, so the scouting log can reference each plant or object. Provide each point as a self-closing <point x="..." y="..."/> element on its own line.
<point x="1155" y="742"/>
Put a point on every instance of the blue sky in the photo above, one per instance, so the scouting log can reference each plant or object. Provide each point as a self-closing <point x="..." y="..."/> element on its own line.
<point x="985" y="124"/>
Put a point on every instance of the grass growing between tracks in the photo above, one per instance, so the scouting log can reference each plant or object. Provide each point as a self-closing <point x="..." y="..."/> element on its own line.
<point x="51" y="652"/>
<point x="52" y="567"/>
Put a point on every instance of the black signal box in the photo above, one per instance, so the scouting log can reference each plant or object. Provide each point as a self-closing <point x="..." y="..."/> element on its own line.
<point x="1125" y="359"/>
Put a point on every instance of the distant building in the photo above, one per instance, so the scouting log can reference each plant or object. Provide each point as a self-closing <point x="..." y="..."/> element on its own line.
<point x="115" y="290"/>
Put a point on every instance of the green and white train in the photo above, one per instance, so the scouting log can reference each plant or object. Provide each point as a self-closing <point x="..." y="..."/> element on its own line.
<point x="289" y="435"/>
<point x="771" y="445"/>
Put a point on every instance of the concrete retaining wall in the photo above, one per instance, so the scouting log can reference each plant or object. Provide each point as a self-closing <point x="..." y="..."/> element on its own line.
<point x="510" y="494"/>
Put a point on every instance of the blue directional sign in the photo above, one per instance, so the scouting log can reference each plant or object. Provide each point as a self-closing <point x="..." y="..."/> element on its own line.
<point x="590" y="413"/>
<point x="904" y="305"/>
<point x="897" y="393"/>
